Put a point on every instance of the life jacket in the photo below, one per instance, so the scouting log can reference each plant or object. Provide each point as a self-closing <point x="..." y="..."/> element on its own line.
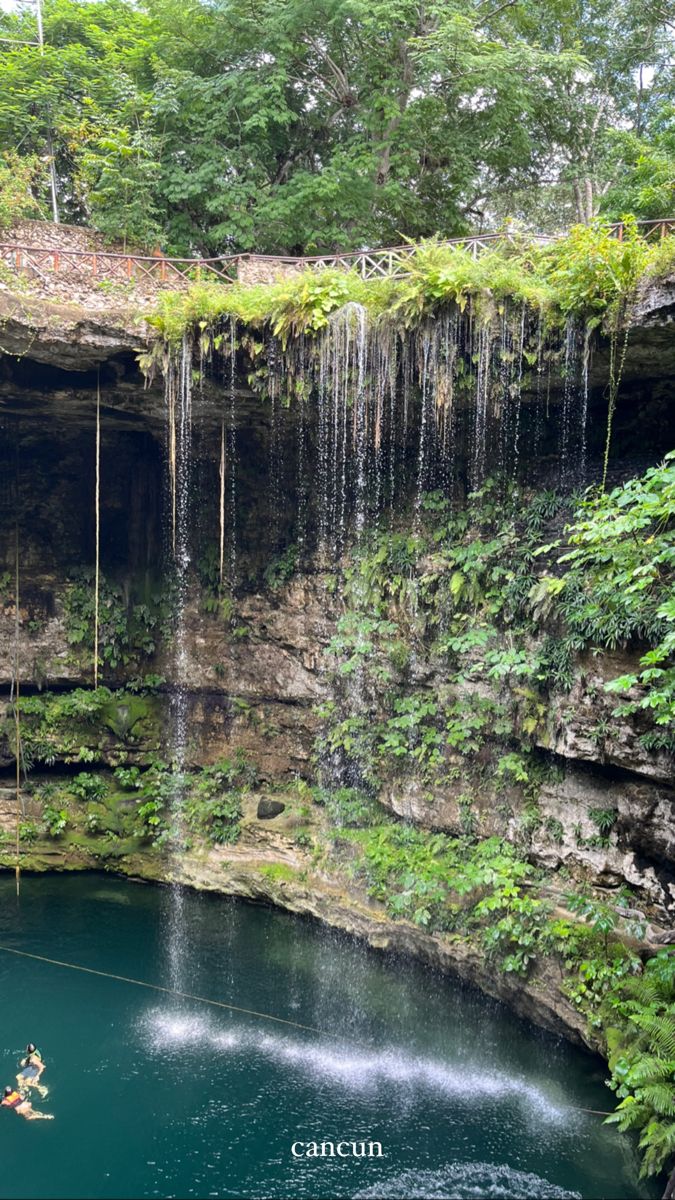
<point x="13" y="1100"/>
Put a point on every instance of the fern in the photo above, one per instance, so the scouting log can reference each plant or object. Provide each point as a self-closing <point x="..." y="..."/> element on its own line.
<point x="661" y="1031"/>
<point x="659" y="1097"/>
<point x="641" y="1040"/>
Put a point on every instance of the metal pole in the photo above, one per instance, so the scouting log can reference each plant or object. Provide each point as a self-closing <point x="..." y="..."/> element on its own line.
<point x="50" y="147"/>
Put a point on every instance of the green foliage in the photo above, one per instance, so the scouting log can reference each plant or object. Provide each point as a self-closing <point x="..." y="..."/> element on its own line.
<point x="596" y="271"/>
<point x="618" y="585"/>
<point x="55" y="819"/>
<point x="305" y="128"/>
<point x="589" y="273"/>
<point x="122" y="173"/>
<point x="333" y="125"/>
<point x="157" y="803"/>
<point x="444" y="883"/>
<point x="127" y="632"/>
<point x="28" y="832"/>
<point x="516" y="926"/>
<point x="88" y="787"/>
<point x="18" y="179"/>
<point x="213" y="799"/>
<point x="457" y="591"/>
<point x="640" y="1013"/>
<point x="74" y="726"/>
<point x="129" y="778"/>
<point x="282" y="569"/>
<point x="604" y="818"/>
<point x="150" y="816"/>
<point x="645" y="181"/>
<point x="348" y="807"/>
<point x="601" y="917"/>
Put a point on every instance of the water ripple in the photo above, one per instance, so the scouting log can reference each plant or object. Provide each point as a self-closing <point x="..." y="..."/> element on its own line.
<point x="466" y="1181"/>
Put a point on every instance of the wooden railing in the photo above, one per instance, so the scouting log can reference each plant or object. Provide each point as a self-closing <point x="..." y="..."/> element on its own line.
<point x="151" y="272"/>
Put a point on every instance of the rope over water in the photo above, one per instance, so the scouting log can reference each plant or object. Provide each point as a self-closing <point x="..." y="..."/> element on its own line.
<point x="249" y="1012"/>
<point x="157" y="987"/>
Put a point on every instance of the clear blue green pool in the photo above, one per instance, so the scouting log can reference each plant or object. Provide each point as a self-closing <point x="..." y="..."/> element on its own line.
<point x="158" y="1098"/>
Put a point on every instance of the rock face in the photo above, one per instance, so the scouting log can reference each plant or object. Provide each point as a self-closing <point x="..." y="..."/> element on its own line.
<point x="67" y="336"/>
<point x="257" y="673"/>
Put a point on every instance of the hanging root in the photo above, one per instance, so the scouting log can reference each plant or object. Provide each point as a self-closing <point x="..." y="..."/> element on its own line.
<point x="615" y="373"/>
<point x="222" y="500"/>
<point x="97" y="521"/>
<point x="17" y="715"/>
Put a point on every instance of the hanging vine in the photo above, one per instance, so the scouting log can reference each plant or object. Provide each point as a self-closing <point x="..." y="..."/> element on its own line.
<point x="222" y="502"/>
<point x="16" y="685"/>
<point x="617" y="358"/>
<point x="97" y="521"/>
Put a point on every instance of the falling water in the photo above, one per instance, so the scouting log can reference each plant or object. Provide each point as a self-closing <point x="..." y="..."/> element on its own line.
<point x="585" y="368"/>
<point x="275" y="444"/>
<point x="302" y="483"/>
<point x="481" y="407"/>
<point x="179" y="455"/>
<point x="539" y="412"/>
<point x="517" y="393"/>
<point x="383" y="417"/>
<point x="232" y="451"/>
<point x="360" y="410"/>
<point x="424" y="450"/>
<point x="568" y="449"/>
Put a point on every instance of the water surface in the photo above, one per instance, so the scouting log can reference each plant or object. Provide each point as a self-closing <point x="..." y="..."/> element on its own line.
<point x="153" y="1097"/>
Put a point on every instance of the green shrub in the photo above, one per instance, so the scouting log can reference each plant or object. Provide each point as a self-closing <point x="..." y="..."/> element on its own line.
<point x="349" y="807"/>
<point x="19" y="176"/>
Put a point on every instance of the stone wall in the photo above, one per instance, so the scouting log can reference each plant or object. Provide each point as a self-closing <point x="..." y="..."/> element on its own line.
<point x="45" y="235"/>
<point x="254" y="268"/>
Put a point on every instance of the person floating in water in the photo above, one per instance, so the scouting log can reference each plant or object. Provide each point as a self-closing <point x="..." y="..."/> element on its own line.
<point x="32" y="1067"/>
<point x="13" y="1099"/>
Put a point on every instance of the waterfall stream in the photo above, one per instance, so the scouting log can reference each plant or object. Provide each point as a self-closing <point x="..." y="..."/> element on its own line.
<point x="180" y="470"/>
<point x="401" y="414"/>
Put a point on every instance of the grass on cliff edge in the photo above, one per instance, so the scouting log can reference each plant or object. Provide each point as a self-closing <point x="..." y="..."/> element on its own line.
<point x="587" y="274"/>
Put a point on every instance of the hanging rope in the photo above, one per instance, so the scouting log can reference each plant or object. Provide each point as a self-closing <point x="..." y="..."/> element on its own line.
<point x="222" y="500"/>
<point x="16" y="684"/>
<point x="17" y="716"/>
<point x="171" y="444"/>
<point x="156" y="987"/>
<point x="97" y="503"/>
<point x="617" y="359"/>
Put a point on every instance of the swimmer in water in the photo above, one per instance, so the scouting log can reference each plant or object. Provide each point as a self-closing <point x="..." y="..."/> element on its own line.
<point x="32" y="1067"/>
<point x="13" y="1099"/>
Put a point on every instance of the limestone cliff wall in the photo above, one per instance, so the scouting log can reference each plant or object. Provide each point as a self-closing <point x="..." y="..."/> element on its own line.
<point x="257" y="675"/>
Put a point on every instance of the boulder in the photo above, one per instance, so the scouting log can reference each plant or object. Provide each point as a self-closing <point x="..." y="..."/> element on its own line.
<point x="268" y="809"/>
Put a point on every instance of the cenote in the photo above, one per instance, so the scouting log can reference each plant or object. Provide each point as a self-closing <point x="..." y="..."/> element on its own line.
<point x="336" y="612"/>
<point x="158" y="1097"/>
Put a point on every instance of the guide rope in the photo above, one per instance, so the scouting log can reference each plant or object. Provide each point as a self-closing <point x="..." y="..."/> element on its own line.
<point x="97" y="520"/>
<point x="249" y="1012"/>
<point x="15" y="681"/>
<point x="157" y="987"/>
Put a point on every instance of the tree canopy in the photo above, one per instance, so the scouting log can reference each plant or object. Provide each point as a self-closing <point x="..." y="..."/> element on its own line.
<point x="303" y="126"/>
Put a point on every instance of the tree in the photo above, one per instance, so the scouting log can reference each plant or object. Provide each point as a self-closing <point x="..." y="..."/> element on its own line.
<point x="303" y="126"/>
<point x="122" y="170"/>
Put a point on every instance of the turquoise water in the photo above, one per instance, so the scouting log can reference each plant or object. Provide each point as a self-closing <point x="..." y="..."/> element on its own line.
<point x="155" y="1098"/>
